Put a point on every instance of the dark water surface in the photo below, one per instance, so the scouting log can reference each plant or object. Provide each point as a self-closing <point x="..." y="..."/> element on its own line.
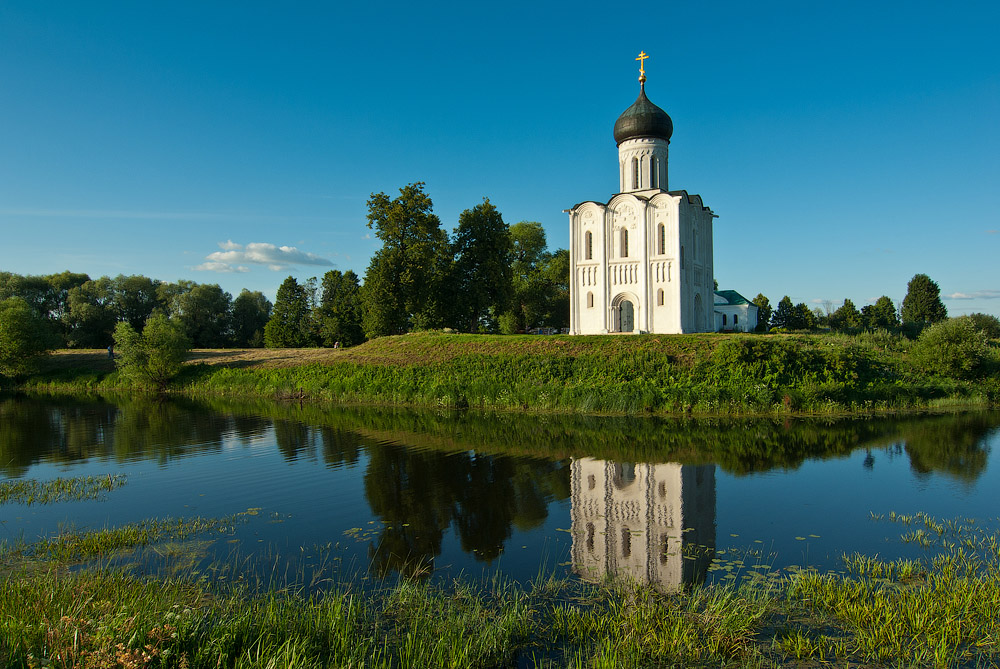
<point x="357" y="492"/>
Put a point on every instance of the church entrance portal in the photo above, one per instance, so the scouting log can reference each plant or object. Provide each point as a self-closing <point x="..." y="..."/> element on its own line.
<point x="626" y="316"/>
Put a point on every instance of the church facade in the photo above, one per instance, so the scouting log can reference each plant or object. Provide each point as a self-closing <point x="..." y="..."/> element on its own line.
<point x="642" y="262"/>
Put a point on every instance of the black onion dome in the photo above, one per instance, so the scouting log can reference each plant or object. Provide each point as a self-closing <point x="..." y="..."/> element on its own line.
<point x="643" y="119"/>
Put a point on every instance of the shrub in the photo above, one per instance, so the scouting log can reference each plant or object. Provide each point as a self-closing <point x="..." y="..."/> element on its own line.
<point x="153" y="357"/>
<point x="24" y="337"/>
<point x="987" y="324"/>
<point x="952" y="348"/>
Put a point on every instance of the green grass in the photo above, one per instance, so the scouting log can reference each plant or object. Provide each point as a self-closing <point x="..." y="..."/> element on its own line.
<point x="60" y="489"/>
<point x="942" y="611"/>
<point x="681" y="374"/>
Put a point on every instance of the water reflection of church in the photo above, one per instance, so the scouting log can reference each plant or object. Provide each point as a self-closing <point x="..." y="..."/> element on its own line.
<point x="653" y="523"/>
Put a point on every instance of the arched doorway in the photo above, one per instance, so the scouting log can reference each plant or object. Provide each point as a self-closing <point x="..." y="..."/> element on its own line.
<point x="626" y="316"/>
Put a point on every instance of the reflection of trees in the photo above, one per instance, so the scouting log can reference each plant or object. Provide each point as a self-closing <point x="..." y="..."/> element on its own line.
<point x="292" y="437"/>
<point x="33" y="430"/>
<point x="953" y="445"/>
<point x="419" y="493"/>
<point x="155" y="429"/>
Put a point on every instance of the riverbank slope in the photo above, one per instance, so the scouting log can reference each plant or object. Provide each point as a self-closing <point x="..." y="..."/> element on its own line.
<point x="705" y="374"/>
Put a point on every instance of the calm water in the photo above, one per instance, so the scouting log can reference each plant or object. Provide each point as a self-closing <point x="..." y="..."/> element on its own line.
<point x="359" y="492"/>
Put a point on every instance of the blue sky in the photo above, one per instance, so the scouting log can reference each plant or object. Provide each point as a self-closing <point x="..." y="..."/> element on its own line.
<point x="845" y="146"/>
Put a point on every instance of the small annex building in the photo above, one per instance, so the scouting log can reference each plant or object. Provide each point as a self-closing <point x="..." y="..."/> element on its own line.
<point x="643" y="261"/>
<point x="734" y="313"/>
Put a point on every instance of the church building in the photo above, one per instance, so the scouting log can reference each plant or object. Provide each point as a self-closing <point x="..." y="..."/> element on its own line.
<point x="642" y="262"/>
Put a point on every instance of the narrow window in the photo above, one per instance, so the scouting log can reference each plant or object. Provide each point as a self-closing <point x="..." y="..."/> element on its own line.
<point x="723" y="320"/>
<point x="624" y="243"/>
<point x="590" y="300"/>
<point x="659" y="297"/>
<point x="635" y="173"/>
<point x="652" y="172"/>
<point x="736" y="319"/>
<point x="662" y="235"/>
<point x="588" y="242"/>
<point x="682" y="257"/>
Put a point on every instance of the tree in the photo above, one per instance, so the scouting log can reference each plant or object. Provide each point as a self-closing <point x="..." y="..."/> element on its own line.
<point x="289" y="325"/>
<point x="879" y="316"/>
<point x="802" y="318"/>
<point x="90" y="315"/>
<point x="404" y="279"/>
<point x="847" y="317"/>
<point x="482" y="267"/>
<point x="554" y="268"/>
<point x="205" y="313"/>
<point x="135" y="298"/>
<point x="954" y="347"/>
<point x="251" y="311"/>
<point x="25" y="336"/>
<point x="763" y="312"/>
<point x="340" y="310"/>
<point x="154" y="356"/>
<point x="784" y="315"/>
<point x="922" y="303"/>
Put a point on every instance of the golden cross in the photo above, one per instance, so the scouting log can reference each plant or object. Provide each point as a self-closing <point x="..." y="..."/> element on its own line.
<point x="642" y="62"/>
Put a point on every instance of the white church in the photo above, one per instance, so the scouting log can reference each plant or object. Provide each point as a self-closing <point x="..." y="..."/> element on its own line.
<point x="642" y="262"/>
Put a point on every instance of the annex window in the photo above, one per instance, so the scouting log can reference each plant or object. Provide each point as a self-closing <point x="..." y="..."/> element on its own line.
<point x="723" y="320"/>
<point x="736" y="319"/>
<point x="588" y="246"/>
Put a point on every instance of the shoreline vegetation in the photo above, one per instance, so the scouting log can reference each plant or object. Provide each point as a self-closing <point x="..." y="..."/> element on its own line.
<point x="71" y="609"/>
<point x="705" y="375"/>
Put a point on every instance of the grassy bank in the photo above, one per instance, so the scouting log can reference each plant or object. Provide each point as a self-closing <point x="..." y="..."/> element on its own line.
<point x="940" y="612"/>
<point x="685" y="374"/>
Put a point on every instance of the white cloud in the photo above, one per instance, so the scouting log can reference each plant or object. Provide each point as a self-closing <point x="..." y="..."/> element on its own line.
<point x="275" y="258"/>
<point x="975" y="295"/>
<point x="221" y="267"/>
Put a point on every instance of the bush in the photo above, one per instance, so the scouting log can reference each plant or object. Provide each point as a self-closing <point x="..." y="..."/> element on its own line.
<point x="954" y="348"/>
<point x="987" y="324"/>
<point x="153" y="357"/>
<point x="24" y="337"/>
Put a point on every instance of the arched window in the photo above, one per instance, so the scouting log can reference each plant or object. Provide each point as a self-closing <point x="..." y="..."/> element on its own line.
<point x="624" y="249"/>
<point x="588" y="246"/>
<point x="590" y="300"/>
<point x="661" y="235"/>
<point x="635" y="173"/>
<point x="652" y="172"/>
<point x="659" y="297"/>
<point x="736" y="319"/>
<point x="723" y="320"/>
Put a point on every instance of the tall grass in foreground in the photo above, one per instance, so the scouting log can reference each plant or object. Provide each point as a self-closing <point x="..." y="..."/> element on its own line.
<point x="939" y="612"/>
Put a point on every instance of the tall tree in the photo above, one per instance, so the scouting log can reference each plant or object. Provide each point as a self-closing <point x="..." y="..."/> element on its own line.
<point x="846" y="317"/>
<point x="289" y="325"/>
<point x="90" y="315"/>
<point x="784" y="315"/>
<point x="135" y="299"/>
<point x="405" y="276"/>
<point x="25" y="336"/>
<point x="763" y="312"/>
<point x="481" y="273"/>
<point x="205" y="314"/>
<point x="922" y="303"/>
<point x="340" y="310"/>
<point x="879" y="316"/>
<point x="251" y="311"/>
<point x="555" y="270"/>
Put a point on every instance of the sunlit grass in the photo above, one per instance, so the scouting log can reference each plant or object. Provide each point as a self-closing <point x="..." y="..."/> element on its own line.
<point x="937" y="612"/>
<point x="77" y="488"/>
